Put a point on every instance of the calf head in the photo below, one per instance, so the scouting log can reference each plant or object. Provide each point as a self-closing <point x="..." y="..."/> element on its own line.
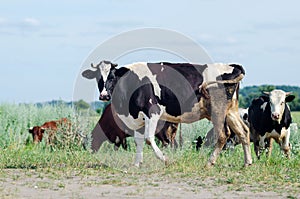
<point x="100" y="74"/>
<point x="278" y="99"/>
<point x="37" y="133"/>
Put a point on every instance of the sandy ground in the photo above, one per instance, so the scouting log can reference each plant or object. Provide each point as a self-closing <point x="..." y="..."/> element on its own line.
<point x="34" y="184"/>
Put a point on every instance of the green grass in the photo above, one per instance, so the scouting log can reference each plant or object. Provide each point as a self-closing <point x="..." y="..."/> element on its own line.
<point x="18" y="152"/>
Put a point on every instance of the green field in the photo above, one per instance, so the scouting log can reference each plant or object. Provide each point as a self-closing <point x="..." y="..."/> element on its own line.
<point x="18" y="152"/>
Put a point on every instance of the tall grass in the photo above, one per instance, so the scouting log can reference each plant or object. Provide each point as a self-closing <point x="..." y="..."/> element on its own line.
<point x="17" y="149"/>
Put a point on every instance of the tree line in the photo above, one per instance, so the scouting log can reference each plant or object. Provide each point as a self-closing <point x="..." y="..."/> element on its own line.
<point x="248" y="93"/>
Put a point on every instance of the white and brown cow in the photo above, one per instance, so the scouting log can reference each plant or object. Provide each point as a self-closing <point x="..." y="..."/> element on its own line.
<point x="270" y="118"/>
<point x="143" y="93"/>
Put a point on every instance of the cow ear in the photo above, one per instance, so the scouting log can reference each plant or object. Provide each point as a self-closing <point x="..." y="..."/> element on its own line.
<point x="289" y="97"/>
<point x="265" y="98"/>
<point x="121" y="71"/>
<point x="265" y="93"/>
<point x="114" y="65"/>
<point x="89" y="74"/>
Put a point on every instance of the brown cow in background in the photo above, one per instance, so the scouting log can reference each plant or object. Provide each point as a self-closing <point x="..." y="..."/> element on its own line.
<point x="50" y="127"/>
<point x="111" y="128"/>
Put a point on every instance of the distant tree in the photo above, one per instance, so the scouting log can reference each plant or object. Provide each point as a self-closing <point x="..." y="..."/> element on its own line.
<point x="81" y="104"/>
<point x="266" y="88"/>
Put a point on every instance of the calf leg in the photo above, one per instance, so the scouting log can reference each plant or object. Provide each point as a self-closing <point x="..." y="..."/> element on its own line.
<point x="139" y="142"/>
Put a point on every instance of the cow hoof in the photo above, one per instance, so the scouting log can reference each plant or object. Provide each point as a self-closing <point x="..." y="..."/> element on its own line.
<point x="247" y="164"/>
<point x="209" y="165"/>
<point x="166" y="161"/>
<point x="138" y="164"/>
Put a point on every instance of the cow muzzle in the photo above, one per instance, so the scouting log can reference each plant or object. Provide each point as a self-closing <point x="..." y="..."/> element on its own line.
<point x="275" y="116"/>
<point x="104" y="97"/>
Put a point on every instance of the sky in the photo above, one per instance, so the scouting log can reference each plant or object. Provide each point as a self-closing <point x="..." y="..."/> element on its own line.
<point x="44" y="44"/>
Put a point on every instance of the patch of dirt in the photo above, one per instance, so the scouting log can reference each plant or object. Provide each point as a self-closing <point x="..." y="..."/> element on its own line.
<point x="15" y="183"/>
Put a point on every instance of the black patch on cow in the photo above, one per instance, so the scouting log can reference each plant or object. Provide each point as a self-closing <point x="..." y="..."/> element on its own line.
<point x="130" y="94"/>
<point x="100" y="85"/>
<point x="179" y="84"/>
<point x="231" y="88"/>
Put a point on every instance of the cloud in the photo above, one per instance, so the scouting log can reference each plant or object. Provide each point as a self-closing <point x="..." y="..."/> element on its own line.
<point x="33" y="22"/>
<point x="277" y="25"/>
<point x="120" y="24"/>
<point x="17" y="27"/>
<point x="3" y="21"/>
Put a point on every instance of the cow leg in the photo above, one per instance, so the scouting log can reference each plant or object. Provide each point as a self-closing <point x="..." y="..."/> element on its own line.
<point x="269" y="147"/>
<point x="150" y="127"/>
<point x="257" y="149"/>
<point x="218" y="115"/>
<point x="255" y="139"/>
<point x="286" y="146"/>
<point x="242" y="131"/>
<point x="262" y="145"/>
<point x="98" y="137"/>
<point x="139" y="142"/>
<point x="219" y="131"/>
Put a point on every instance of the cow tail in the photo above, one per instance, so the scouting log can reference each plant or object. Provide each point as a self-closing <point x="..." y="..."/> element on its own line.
<point x="180" y="137"/>
<point x="237" y="91"/>
<point x="204" y="86"/>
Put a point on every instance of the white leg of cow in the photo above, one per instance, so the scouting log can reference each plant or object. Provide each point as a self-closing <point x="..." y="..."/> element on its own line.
<point x="286" y="142"/>
<point x="139" y="141"/>
<point x="150" y="127"/>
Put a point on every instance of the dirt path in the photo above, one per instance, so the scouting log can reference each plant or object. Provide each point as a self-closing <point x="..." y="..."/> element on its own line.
<point x="76" y="184"/>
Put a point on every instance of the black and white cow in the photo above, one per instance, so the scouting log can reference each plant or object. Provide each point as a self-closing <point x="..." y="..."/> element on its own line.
<point x="143" y="93"/>
<point x="270" y="118"/>
<point x="110" y="127"/>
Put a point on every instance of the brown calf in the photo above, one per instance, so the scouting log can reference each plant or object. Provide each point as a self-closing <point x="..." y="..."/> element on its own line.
<point x="50" y="127"/>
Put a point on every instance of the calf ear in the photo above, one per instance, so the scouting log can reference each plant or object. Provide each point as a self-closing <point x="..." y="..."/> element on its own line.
<point x="30" y="130"/>
<point x="89" y="74"/>
<point x="289" y="97"/>
<point x="42" y="130"/>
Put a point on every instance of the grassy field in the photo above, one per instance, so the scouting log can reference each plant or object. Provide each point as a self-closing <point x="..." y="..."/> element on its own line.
<point x="68" y="156"/>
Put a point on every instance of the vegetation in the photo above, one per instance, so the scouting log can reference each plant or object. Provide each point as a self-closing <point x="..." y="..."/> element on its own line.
<point x="18" y="152"/>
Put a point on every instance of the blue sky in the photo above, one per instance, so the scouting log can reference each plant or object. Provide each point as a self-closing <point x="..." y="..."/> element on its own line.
<point x="44" y="43"/>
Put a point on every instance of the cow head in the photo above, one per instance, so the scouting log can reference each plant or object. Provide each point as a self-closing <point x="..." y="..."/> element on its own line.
<point x="278" y="99"/>
<point x="100" y="74"/>
<point x="37" y="133"/>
